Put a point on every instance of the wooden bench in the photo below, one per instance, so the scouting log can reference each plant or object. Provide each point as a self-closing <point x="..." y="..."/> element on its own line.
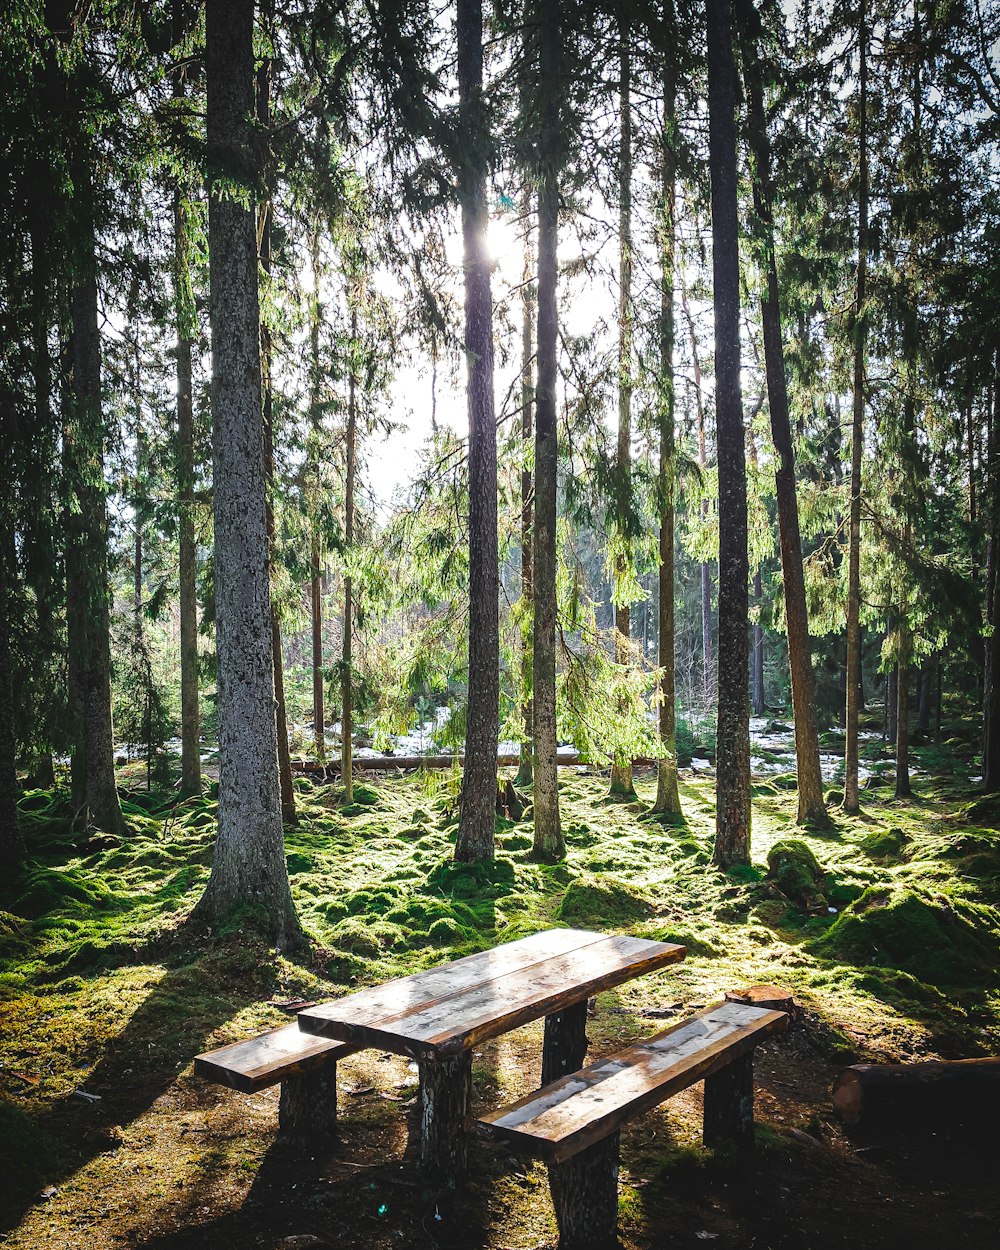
<point x="305" y="1065"/>
<point x="573" y="1123"/>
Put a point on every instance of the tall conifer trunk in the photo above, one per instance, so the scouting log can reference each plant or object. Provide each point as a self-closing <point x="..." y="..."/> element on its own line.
<point x="187" y="554"/>
<point x="548" y="839"/>
<point x="811" y="808"/>
<point x="707" y="644"/>
<point x="347" y="649"/>
<point x="903" y="714"/>
<point x="621" y="769"/>
<point x="249" y="864"/>
<point x="668" y="799"/>
<point x="524" y="774"/>
<point x="263" y="90"/>
<point x="315" y="548"/>
<point x="185" y="324"/>
<point x="100" y="795"/>
<point x="479" y="778"/>
<point x="732" y="833"/>
<point x="853" y="679"/>
<point x="11" y="842"/>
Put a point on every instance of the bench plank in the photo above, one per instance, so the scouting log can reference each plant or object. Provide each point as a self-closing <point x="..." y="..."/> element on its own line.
<point x="265" y="1060"/>
<point x="570" y="1114"/>
<point x="467" y="1017"/>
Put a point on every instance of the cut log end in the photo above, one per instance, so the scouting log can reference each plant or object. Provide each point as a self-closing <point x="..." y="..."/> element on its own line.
<point x="848" y="1098"/>
<point x="765" y="996"/>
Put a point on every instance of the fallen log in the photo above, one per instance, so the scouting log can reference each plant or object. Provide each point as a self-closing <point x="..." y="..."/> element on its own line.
<point x="931" y="1092"/>
<point x="386" y="763"/>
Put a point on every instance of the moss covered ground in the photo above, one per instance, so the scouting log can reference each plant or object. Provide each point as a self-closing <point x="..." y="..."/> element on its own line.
<point x="885" y="928"/>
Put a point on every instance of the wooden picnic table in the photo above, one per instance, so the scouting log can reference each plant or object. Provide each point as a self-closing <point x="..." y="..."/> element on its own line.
<point x="438" y="1016"/>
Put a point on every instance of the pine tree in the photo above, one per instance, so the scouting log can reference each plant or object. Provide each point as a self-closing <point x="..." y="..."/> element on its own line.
<point x="548" y="838"/>
<point x="249" y="864"/>
<point x="732" y="833"/>
<point x="479" y="779"/>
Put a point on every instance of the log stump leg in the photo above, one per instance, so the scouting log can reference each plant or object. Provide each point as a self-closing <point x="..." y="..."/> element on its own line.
<point x="585" y="1196"/>
<point x="729" y="1105"/>
<point x="307" y="1109"/>
<point x="445" y="1092"/>
<point x="565" y="1045"/>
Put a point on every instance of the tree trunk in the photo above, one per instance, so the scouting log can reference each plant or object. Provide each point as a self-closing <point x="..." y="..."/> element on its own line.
<point x="757" y="702"/>
<point x="621" y="768"/>
<point x="524" y="773"/>
<point x="315" y="550"/>
<point x="891" y="703"/>
<point x="860" y="321"/>
<point x="479" y="778"/>
<point x="11" y="842"/>
<point x="100" y="795"/>
<point x="548" y="839"/>
<point x="288" y="814"/>
<point x="811" y="808"/>
<point x="187" y="555"/>
<point x="925" y="700"/>
<point x="249" y="863"/>
<point x="668" y="800"/>
<point x="347" y="648"/>
<point x="732" y="832"/>
<point x="903" y="715"/>
<point x="707" y="646"/>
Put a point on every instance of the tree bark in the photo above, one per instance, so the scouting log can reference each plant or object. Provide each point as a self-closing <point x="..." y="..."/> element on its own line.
<point x="903" y="715"/>
<point x="11" y="842"/>
<point x="548" y="838"/>
<point x="315" y="547"/>
<point x="347" y="648"/>
<point x="100" y="794"/>
<point x="479" y="778"/>
<point x="249" y="864"/>
<point x="860" y="319"/>
<point x="668" y="801"/>
<point x="621" y="769"/>
<point x="707" y="644"/>
<point x="187" y="554"/>
<point x="524" y="773"/>
<point x="728" y="1108"/>
<point x="732" y="832"/>
<point x="758" y="704"/>
<point x="263" y="91"/>
<point x="811" y="807"/>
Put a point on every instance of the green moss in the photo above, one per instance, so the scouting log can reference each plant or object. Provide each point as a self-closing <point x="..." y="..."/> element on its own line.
<point x="794" y="869"/>
<point x="602" y="900"/>
<point x="932" y="937"/>
<point x="885" y="843"/>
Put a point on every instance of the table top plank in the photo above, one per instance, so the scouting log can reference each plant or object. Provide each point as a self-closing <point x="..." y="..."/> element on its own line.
<point x="406" y="995"/>
<point x="468" y="1016"/>
<point x="584" y="1106"/>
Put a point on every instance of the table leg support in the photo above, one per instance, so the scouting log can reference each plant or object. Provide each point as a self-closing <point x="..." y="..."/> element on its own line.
<point x="565" y="1045"/>
<point x="585" y="1196"/>
<point x="445" y="1092"/>
<point x="729" y="1105"/>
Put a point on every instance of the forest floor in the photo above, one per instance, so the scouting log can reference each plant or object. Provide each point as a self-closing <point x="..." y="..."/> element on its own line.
<point x="106" y="992"/>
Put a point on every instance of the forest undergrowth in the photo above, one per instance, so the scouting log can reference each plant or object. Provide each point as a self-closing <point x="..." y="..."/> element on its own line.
<point x="886" y="928"/>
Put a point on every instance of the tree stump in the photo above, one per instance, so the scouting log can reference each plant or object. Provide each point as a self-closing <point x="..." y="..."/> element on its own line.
<point x="585" y="1196"/>
<point x="445" y="1093"/>
<point x="766" y="996"/>
<point x="307" y="1108"/>
<point x="565" y="1046"/>
<point x="729" y="1105"/>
